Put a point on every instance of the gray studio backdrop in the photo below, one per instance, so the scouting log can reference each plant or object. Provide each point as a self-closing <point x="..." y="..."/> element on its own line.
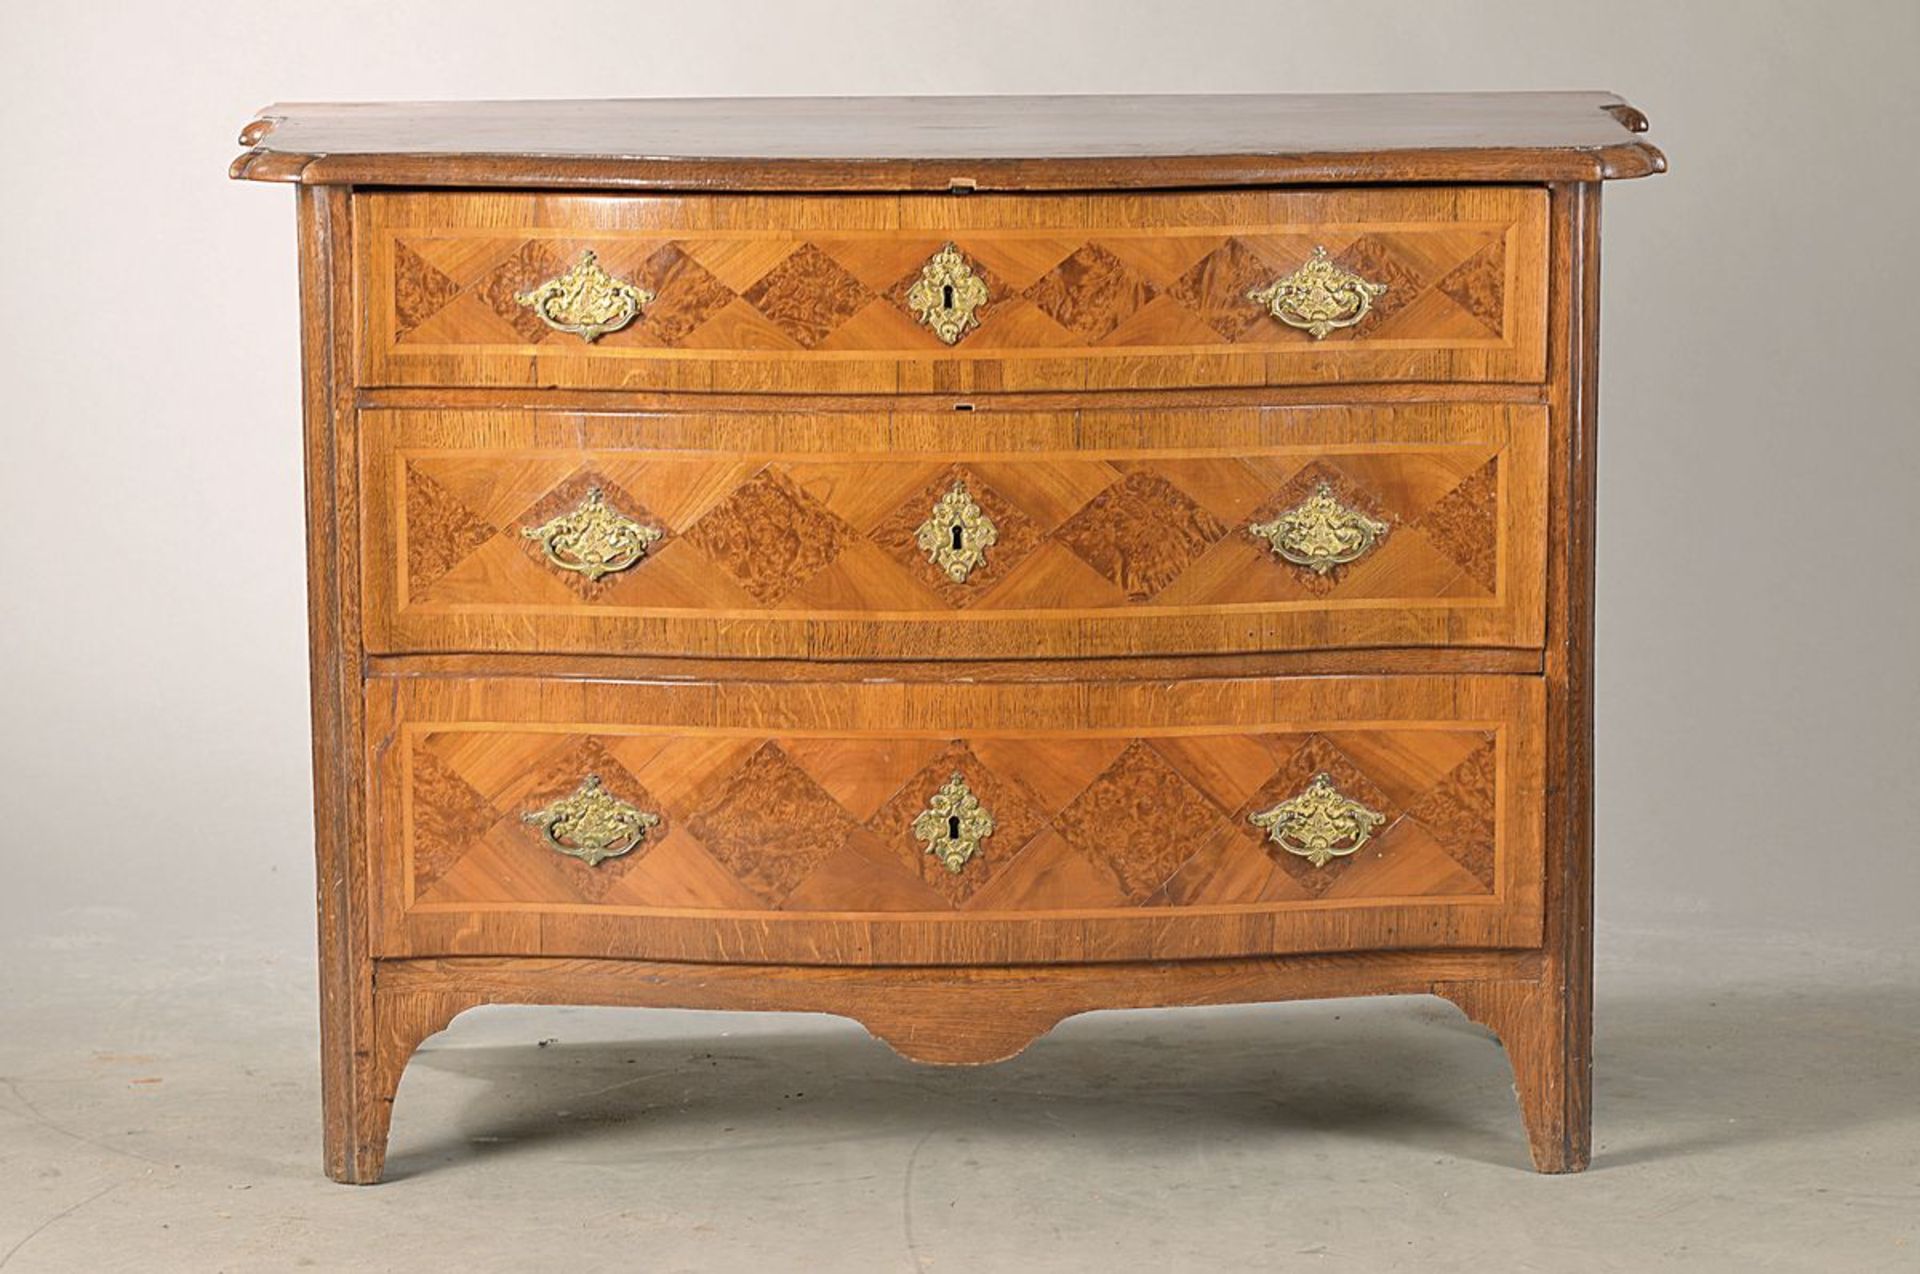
<point x="1759" y="597"/>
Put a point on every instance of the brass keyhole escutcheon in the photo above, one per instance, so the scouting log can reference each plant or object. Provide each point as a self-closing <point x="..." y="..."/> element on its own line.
<point x="953" y="824"/>
<point x="946" y="295"/>
<point x="956" y="536"/>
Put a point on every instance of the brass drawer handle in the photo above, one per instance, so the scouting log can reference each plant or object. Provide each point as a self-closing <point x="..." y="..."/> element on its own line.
<point x="946" y="295"/>
<point x="594" y="539"/>
<point x="592" y="824"/>
<point x="953" y="824"/>
<point x="1318" y="297"/>
<point x="1320" y="533"/>
<point x="586" y="300"/>
<point x="1320" y="824"/>
<point x="957" y="535"/>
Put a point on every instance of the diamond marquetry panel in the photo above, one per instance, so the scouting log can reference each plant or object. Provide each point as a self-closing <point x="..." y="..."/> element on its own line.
<point x="686" y="295"/>
<point x="442" y="532"/>
<point x="527" y="267"/>
<point x="1016" y="822"/>
<point x="770" y="536"/>
<point x="770" y="824"/>
<point x="830" y="535"/>
<point x="786" y="809"/>
<point x="825" y="824"/>
<point x="1091" y="293"/>
<point x="1458" y="812"/>
<point x="1216" y="288"/>
<point x="1464" y="524"/>
<point x="1140" y="819"/>
<point x="1315" y="756"/>
<point x="1015" y="534"/>
<point x="566" y="497"/>
<point x="1141" y="533"/>
<point x="808" y="295"/>
<point x="1088" y="292"/>
<point x="1478" y="286"/>
<point x="419" y="290"/>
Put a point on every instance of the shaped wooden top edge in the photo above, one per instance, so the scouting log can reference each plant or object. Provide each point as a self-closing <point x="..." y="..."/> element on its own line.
<point x="848" y="145"/>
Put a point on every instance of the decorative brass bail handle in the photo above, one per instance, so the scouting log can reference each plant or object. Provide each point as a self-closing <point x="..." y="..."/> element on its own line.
<point x="592" y="824"/>
<point x="594" y="539"/>
<point x="953" y="824"/>
<point x="1319" y="297"/>
<point x="1320" y="824"/>
<point x="1320" y="532"/>
<point x="586" y="300"/>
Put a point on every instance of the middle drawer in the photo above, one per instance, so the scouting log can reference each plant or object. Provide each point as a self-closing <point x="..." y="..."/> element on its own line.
<point x="977" y="534"/>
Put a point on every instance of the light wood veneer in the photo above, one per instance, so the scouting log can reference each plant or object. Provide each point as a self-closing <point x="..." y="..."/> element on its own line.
<point x="784" y="682"/>
<point x="792" y="533"/>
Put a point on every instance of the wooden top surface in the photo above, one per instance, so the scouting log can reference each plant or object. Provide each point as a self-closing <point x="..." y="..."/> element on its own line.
<point x="938" y="143"/>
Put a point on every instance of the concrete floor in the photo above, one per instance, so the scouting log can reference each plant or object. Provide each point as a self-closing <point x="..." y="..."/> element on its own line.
<point x="1758" y="1109"/>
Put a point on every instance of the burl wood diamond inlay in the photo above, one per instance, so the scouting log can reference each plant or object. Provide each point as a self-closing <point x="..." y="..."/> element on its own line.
<point x="826" y="824"/>
<point x="1145" y="288"/>
<point x="1071" y="532"/>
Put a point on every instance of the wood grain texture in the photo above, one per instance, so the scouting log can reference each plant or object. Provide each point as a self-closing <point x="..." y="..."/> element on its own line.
<point x="1122" y="808"/>
<point x="942" y="143"/>
<point x="353" y="1107"/>
<point x="791" y="533"/>
<point x="793" y="681"/>
<point x="959" y="1017"/>
<point x="1086" y="291"/>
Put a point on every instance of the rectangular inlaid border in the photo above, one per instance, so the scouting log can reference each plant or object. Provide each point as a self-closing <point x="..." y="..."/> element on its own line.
<point x="1511" y="706"/>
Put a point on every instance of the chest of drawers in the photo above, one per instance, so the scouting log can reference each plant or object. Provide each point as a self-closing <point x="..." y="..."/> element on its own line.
<point x="956" y="563"/>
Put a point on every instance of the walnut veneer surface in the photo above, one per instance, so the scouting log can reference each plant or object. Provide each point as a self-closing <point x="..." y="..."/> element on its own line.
<point x="951" y="562"/>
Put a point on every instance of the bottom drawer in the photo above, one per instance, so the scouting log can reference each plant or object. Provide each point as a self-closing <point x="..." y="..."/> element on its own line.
<point x="981" y="823"/>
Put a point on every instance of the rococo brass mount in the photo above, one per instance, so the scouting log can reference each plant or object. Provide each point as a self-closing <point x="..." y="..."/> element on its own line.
<point x="594" y="539"/>
<point x="1320" y="824"/>
<point x="953" y="824"/>
<point x="586" y="300"/>
<point x="956" y="536"/>
<point x="946" y="295"/>
<point x="1320" y="532"/>
<point x="1319" y="297"/>
<point x="592" y="824"/>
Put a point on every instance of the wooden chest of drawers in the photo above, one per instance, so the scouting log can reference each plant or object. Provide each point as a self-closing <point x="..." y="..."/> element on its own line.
<point x="956" y="563"/>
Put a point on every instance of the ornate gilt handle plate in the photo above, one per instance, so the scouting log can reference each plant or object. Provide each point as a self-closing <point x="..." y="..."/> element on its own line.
<point x="1320" y="533"/>
<point x="1319" y="297"/>
<point x="586" y="300"/>
<point x="594" y="539"/>
<point x="953" y="824"/>
<point x="1320" y="824"/>
<point x="592" y="824"/>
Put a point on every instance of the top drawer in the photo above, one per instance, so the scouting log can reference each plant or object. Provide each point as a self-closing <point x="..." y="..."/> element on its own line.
<point x="856" y="294"/>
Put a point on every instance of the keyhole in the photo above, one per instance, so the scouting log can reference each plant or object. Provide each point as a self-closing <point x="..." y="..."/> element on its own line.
<point x="946" y="296"/>
<point x="953" y="827"/>
<point x="958" y="542"/>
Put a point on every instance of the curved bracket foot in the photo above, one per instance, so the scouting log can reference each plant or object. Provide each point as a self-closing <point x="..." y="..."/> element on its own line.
<point x="1552" y="1065"/>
